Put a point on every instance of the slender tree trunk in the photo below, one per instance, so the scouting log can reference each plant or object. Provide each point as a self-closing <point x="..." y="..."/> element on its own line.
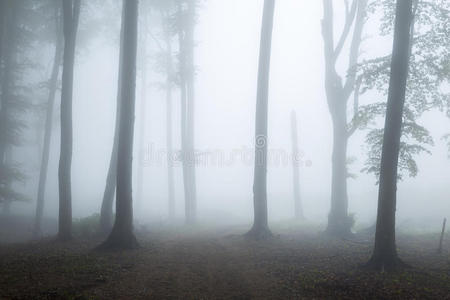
<point x="184" y="128"/>
<point x="260" y="229"/>
<point x="143" y="114"/>
<point x="169" y="146"/>
<point x="122" y="236"/>
<point x="298" y="208"/>
<point x="190" y="112"/>
<point x="106" y="213"/>
<point x="53" y="86"/>
<point x="385" y="252"/>
<point x="71" y="11"/>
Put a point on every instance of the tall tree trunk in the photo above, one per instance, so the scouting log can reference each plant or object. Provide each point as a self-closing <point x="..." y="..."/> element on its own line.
<point x="185" y="157"/>
<point x="260" y="229"/>
<point x="53" y="86"/>
<point x="338" y="94"/>
<point x="169" y="146"/>
<point x="71" y="12"/>
<point x="106" y="212"/>
<point x="385" y="252"/>
<point x="122" y="236"/>
<point x="298" y="208"/>
<point x="190" y="112"/>
<point x="143" y="114"/>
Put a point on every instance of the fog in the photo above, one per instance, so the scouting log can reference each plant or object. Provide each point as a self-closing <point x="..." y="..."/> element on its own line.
<point x="211" y="149"/>
<point x="226" y="59"/>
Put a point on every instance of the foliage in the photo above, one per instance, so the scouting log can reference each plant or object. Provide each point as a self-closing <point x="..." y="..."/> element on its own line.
<point x="428" y="75"/>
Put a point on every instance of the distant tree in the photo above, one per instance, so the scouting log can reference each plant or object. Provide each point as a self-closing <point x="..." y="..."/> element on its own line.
<point x="166" y="12"/>
<point x="338" y="95"/>
<point x="260" y="228"/>
<point x="13" y="102"/>
<point x="52" y="88"/>
<point x="142" y="71"/>
<point x="71" y="13"/>
<point x="122" y="236"/>
<point x="298" y="208"/>
<point x="385" y="252"/>
<point x="169" y="69"/>
<point x="185" y="24"/>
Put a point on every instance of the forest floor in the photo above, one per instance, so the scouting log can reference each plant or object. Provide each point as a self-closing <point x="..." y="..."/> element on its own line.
<point x="211" y="263"/>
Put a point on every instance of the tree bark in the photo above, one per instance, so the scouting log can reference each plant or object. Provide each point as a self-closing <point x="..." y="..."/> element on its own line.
<point x="53" y="86"/>
<point x="384" y="255"/>
<point x="122" y="236"/>
<point x="260" y="229"/>
<point x="298" y="208"/>
<point x="71" y="11"/>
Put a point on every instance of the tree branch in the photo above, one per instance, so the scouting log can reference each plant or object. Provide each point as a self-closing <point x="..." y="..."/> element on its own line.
<point x="349" y="19"/>
<point x="327" y="32"/>
<point x="354" y="48"/>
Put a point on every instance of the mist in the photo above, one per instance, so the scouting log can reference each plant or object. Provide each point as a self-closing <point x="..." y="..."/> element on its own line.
<point x="188" y="75"/>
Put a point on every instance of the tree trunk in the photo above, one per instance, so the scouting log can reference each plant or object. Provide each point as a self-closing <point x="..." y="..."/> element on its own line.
<point x="190" y="112"/>
<point x="122" y="236"/>
<point x="339" y="223"/>
<point x="143" y="114"/>
<point x="53" y="86"/>
<point x="338" y="94"/>
<point x="106" y="214"/>
<point x="260" y="229"/>
<point x="298" y="208"/>
<point x="186" y="114"/>
<point x="170" y="173"/>
<point x="71" y="11"/>
<point x="385" y="252"/>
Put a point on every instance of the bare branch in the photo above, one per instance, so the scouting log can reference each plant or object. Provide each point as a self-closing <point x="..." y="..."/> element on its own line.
<point x="354" y="48"/>
<point x="327" y="31"/>
<point x="349" y="19"/>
